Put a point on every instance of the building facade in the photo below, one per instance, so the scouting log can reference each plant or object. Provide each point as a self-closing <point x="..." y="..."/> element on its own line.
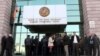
<point x="74" y="19"/>
<point x="91" y="11"/>
<point x="82" y="17"/>
<point x="5" y="11"/>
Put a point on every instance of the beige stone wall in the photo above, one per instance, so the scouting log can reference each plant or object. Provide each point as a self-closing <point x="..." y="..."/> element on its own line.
<point x="5" y="11"/>
<point x="91" y="12"/>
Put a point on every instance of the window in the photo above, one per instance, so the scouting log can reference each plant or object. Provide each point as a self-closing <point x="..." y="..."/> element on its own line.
<point x="24" y="29"/>
<point x="17" y="41"/>
<point x="70" y="30"/>
<point x="73" y="13"/>
<point x="72" y="1"/>
<point x="54" y="2"/>
<point x="22" y="3"/>
<point x="22" y="45"/>
<point x="73" y="19"/>
<point x="18" y="29"/>
<point x="73" y="7"/>
<point x="37" y="2"/>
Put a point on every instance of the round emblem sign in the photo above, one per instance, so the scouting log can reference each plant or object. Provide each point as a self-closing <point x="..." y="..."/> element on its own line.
<point x="44" y="11"/>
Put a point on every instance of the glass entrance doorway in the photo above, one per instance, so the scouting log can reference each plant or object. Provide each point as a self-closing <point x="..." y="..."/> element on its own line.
<point x="20" y="39"/>
<point x="22" y="32"/>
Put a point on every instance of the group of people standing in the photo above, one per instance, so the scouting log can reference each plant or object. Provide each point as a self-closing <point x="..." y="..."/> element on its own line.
<point x="57" y="45"/>
<point x="7" y="44"/>
<point x="31" y="45"/>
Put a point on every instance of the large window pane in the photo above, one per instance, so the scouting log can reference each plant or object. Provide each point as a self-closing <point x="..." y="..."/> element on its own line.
<point x="18" y="29"/>
<point x="37" y="2"/>
<point x="24" y="29"/>
<point x="22" y="46"/>
<point x="23" y="36"/>
<point x="69" y="29"/>
<point x="73" y="13"/>
<point x="22" y="3"/>
<point x="55" y="2"/>
<point x="73" y="19"/>
<point x="17" y="42"/>
<point x="72" y="7"/>
<point x="23" y="0"/>
<point x="72" y="1"/>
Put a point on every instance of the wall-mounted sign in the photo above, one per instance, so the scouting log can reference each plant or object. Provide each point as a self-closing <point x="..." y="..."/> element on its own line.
<point x="44" y="15"/>
<point x="92" y="24"/>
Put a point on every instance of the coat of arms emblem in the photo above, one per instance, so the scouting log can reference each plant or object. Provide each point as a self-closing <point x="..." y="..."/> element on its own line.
<point x="44" y="11"/>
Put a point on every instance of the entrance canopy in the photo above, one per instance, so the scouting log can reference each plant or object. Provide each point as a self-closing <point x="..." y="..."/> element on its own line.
<point x="47" y="28"/>
<point x="45" y="18"/>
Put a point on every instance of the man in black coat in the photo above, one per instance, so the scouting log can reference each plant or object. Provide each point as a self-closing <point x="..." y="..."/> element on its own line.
<point x="32" y="46"/>
<point x="75" y="41"/>
<point x="28" y="45"/>
<point x="58" y="44"/>
<point x="36" y="42"/>
<point x="3" y="45"/>
<point x="9" y="45"/>
<point x="44" y="43"/>
<point x="66" y="44"/>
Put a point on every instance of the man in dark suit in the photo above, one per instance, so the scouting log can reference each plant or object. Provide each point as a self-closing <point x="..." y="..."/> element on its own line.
<point x="28" y="45"/>
<point x="66" y="44"/>
<point x="44" y="43"/>
<point x="58" y="44"/>
<point x="75" y="40"/>
<point x="32" y="46"/>
<point x="3" y="45"/>
<point x="36" y="48"/>
<point x="9" y="45"/>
